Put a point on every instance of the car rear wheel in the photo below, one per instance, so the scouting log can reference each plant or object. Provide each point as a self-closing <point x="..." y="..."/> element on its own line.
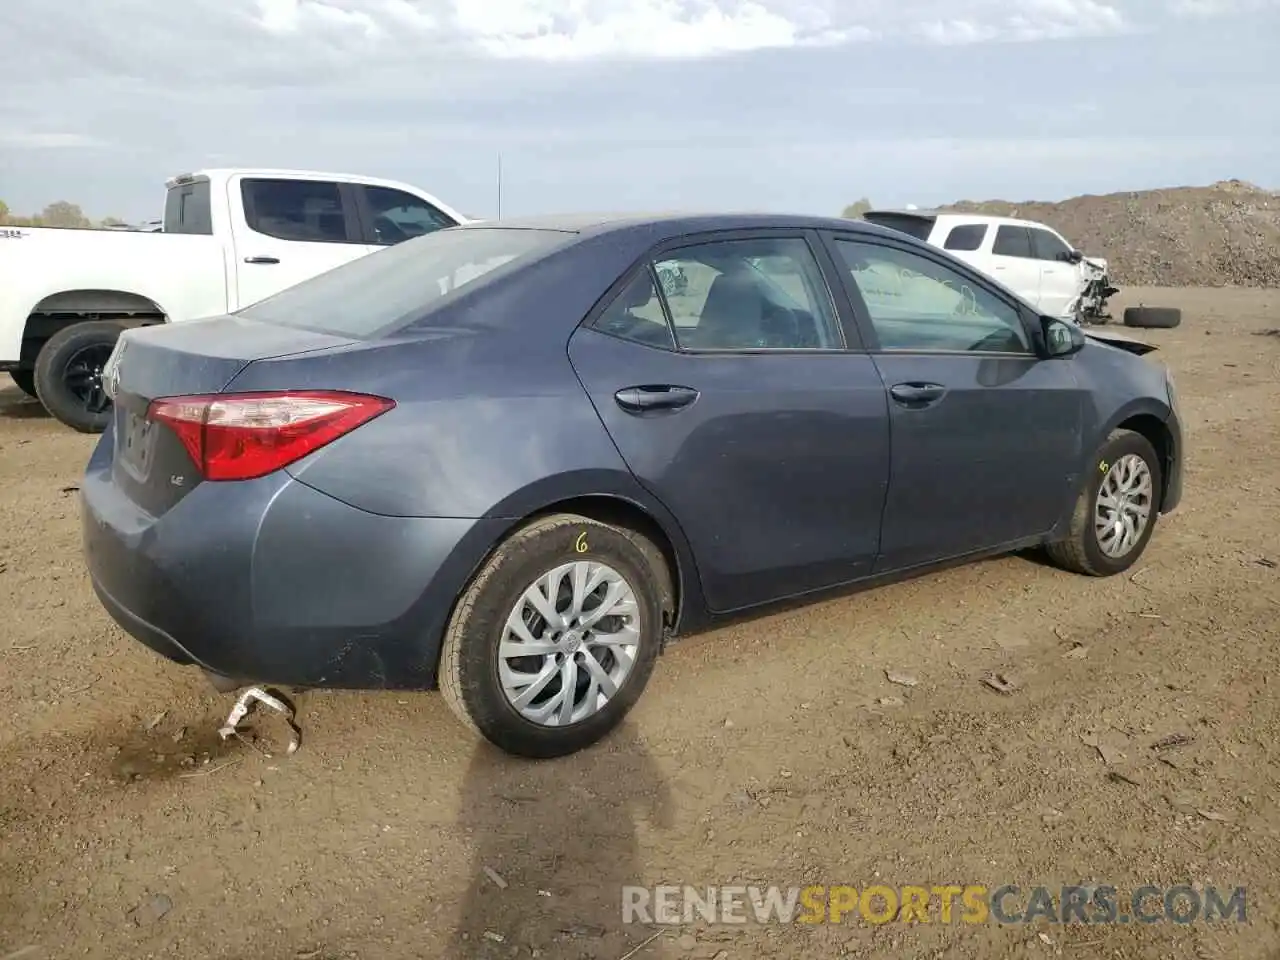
<point x="68" y="374"/>
<point x="555" y="638"/>
<point x="1116" y="512"/>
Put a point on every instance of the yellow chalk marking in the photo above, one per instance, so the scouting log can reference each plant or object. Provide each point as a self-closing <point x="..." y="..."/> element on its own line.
<point x="580" y="545"/>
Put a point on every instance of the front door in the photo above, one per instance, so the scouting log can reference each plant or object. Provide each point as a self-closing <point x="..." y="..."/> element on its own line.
<point x="986" y="436"/>
<point x="1013" y="262"/>
<point x="289" y="230"/>
<point x="733" y="400"/>
<point x="1060" y="278"/>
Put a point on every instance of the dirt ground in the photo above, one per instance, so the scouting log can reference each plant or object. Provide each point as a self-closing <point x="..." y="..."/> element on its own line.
<point x="770" y="751"/>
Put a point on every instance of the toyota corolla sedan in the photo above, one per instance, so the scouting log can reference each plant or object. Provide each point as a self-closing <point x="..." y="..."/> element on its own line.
<point x="504" y="459"/>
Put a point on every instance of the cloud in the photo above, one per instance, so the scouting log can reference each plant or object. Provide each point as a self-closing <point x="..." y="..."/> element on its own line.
<point x="800" y="103"/>
<point x="36" y="140"/>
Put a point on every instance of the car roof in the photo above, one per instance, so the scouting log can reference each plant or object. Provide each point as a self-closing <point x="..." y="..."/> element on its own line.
<point x="957" y="215"/>
<point x="676" y="223"/>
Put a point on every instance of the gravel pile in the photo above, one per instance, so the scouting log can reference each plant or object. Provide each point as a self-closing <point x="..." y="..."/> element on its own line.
<point x="1227" y="234"/>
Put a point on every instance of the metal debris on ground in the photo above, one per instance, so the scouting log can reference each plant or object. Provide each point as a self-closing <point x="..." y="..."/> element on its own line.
<point x="1000" y="683"/>
<point x="1077" y="652"/>
<point x="496" y="877"/>
<point x="1173" y="740"/>
<point x="278" y="704"/>
<point x="901" y="679"/>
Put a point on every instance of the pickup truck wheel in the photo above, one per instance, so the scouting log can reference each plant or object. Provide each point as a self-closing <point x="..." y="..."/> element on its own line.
<point x="26" y="381"/>
<point x="68" y="374"/>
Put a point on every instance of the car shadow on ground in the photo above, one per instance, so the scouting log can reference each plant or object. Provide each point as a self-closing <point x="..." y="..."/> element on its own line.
<point x="553" y="846"/>
<point x="16" y="405"/>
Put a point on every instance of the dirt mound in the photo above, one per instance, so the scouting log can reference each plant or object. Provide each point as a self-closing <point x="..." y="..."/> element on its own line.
<point x="1224" y="234"/>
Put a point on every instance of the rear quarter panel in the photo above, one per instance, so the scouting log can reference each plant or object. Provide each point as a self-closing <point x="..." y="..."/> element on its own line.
<point x="184" y="275"/>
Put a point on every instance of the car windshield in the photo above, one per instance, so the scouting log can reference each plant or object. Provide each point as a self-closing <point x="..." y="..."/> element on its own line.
<point x="383" y="292"/>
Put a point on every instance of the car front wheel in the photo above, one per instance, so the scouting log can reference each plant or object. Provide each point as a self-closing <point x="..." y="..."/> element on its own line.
<point x="1116" y="512"/>
<point x="556" y="637"/>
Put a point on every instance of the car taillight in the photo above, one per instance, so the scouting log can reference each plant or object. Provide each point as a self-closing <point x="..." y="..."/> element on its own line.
<point x="240" y="436"/>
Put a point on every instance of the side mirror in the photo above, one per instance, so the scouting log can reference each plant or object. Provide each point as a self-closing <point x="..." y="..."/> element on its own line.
<point x="1061" y="339"/>
<point x="1073" y="256"/>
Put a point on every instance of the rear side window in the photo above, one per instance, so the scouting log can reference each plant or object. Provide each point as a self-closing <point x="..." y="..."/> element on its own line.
<point x="1047" y="246"/>
<point x="637" y="314"/>
<point x="911" y="225"/>
<point x="1012" y="242"/>
<point x="967" y="236"/>
<point x="302" y="210"/>
<point x="187" y="209"/>
<point x="381" y="293"/>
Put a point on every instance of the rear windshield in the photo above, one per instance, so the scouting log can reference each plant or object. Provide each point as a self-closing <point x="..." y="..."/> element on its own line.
<point x="186" y="208"/>
<point x="918" y="227"/>
<point x="383" y="292"/>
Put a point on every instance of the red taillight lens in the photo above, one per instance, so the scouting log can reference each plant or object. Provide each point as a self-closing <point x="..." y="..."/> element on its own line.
<point x="240" y="436"/>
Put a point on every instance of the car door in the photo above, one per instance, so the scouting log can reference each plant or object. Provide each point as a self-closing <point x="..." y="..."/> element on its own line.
<point x="986" y="435"/>
<point x="389" y="216"/>
<point x="734" y="400"/>
<point x="1060" y="277"/>
<point x="289" y="230"/>
<point x="1013" y="262"/>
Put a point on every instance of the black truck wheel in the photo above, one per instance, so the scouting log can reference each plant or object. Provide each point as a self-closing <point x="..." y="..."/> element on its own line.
<point x="68" y="374"/>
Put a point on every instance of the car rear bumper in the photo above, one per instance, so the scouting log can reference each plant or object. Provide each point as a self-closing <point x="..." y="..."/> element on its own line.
<point x="271" y="581"/>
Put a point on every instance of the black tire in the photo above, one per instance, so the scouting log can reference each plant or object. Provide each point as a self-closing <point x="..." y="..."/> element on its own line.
<point x="65" y="378"/>
<point x="468" y="660"/>
<point x="26" y="381"/>
<point x="1152" y="318"/>
<point x="1079" y="551"/>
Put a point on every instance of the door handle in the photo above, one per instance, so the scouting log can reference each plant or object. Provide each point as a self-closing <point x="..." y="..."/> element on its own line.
<point x="917" y="394"/>
<point x="261" y="260"/>
<point x="644" y="399"/>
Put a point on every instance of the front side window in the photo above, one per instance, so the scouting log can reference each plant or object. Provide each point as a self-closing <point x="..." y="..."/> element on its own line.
<point x="397" y="216"/>
<point x="1012" y="242"/>
<point x="1048" y="246"/>
<point x="754" y="294"/>
<point x="918" y="304"/>
<point x="309" y="211"/>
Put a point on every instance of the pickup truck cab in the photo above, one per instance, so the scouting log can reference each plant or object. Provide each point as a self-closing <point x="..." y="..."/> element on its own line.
<point x="1031" y="259"/>
<point x="229" y="238"/>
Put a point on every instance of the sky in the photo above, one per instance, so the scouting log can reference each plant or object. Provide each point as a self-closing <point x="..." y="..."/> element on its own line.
<point x="778" y="105"/>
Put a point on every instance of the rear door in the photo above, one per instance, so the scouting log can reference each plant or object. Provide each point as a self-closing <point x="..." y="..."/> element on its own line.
<point x="986" y="436"/>
<point x="289" y="230"/>
<point x="735" y="400"/>
<point x="1013" y="262"/>
<point x="1060" y="279"/>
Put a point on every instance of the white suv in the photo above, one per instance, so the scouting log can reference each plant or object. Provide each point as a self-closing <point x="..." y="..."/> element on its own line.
<point x="1031" y="259"/>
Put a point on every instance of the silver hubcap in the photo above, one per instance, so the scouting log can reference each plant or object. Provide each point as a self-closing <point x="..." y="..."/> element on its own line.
<point x="1124" y="505"/>
<point x="569" y="643"/>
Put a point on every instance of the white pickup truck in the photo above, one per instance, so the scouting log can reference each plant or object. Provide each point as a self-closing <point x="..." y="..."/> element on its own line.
<point x="229" y="238"/>
<point x="1031" y="259"/>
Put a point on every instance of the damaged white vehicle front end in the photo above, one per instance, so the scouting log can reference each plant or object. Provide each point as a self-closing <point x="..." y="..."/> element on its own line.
<point x="1096" y="288"/>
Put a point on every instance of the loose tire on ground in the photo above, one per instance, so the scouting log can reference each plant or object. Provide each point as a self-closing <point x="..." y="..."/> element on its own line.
<point x="1080" y="551"/>
<point x="469" y="674"/>
<point x="26" y="381"/>
<point x="1152" y="318"/>
<point x="82" y="343"/>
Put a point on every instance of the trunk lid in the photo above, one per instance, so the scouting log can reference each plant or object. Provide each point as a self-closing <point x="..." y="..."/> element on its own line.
<point x="150" y="464"/>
